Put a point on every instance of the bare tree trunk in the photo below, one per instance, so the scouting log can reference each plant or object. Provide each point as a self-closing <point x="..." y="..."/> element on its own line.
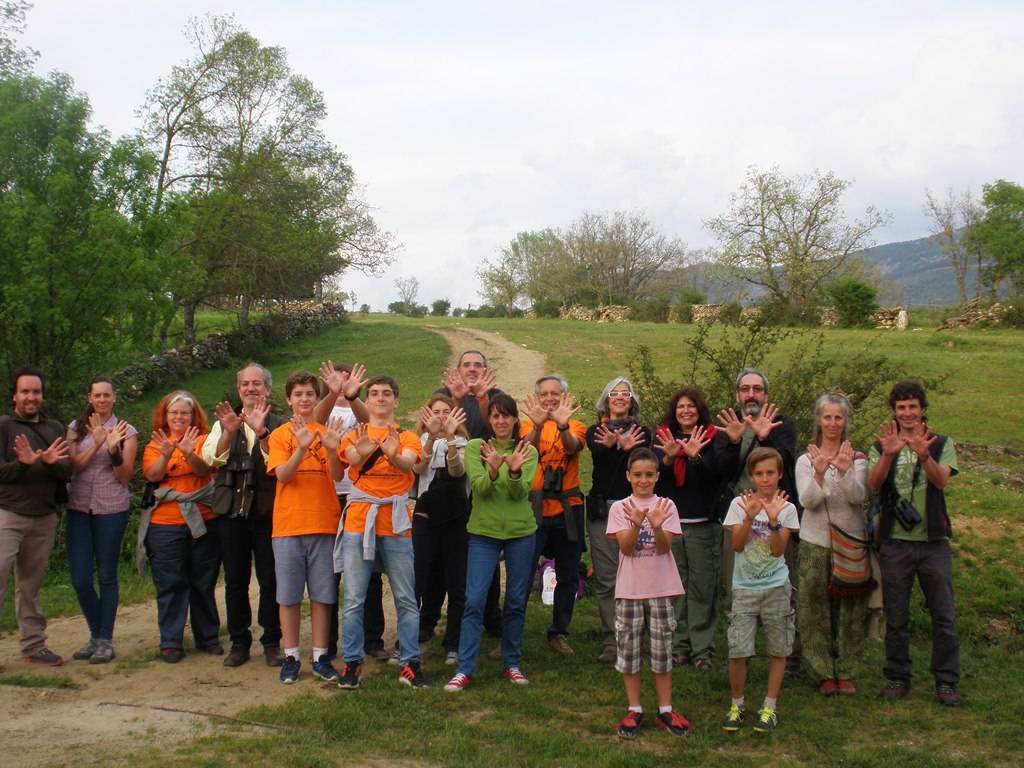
<point x="244" y="305"/>
<point x="318" y="291"/>
<point x="188" y="311"/>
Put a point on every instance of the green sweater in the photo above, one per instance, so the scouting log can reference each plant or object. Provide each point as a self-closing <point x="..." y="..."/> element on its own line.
<point x="501" y="508"/>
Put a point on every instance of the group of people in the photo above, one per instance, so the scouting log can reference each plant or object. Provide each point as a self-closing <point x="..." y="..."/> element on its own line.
<point x="324" y="503"/>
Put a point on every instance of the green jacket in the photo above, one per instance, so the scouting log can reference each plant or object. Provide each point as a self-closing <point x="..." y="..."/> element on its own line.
<point x="501" y="508"/>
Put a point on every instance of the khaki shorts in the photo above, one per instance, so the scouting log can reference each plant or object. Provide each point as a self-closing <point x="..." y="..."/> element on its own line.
<point x="772" y="607"/>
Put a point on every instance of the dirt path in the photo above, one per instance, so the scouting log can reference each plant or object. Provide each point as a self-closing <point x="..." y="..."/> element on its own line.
<point x="107" y="712"/>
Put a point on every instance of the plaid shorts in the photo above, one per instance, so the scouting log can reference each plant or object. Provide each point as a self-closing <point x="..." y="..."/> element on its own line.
<point x="656" y="616"/>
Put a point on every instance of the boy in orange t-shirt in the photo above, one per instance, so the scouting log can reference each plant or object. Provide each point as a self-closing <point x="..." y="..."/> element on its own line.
<point x="381" y="458"/>
<point x="305" y="459"/>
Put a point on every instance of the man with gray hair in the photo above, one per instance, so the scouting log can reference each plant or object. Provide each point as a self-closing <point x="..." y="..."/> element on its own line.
<point x="758" y="424"/>
<point x="243" y="497"/>
<point x="557" y="500"/>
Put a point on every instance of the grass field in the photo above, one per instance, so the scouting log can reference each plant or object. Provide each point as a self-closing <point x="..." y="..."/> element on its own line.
<point x="565" y="717"/>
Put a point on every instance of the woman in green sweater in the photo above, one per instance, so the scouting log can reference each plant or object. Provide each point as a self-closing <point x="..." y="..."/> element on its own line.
<point x="501" y="471"/>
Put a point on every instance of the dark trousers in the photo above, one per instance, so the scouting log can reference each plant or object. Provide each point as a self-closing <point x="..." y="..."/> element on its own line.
<point x="931" y="563"/>
<point x="441" y="552"/>
<point x="552" y="537"/>
<point x="185" y="574"/>
<point x="244" y="541"/>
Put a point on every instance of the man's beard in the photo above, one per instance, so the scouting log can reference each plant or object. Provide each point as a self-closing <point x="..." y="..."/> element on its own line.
<point x="752" y="408"/>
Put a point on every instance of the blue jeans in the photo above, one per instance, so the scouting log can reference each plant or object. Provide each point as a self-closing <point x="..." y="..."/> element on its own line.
<point x="96" y="538"/>
<point x="397" y="556"/>
<point x="482" y="560"/>
<point x="185" y="573"/>
<point x="551" y="535"/>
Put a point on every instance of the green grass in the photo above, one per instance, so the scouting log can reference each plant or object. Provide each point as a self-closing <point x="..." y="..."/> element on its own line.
<point x="17" y="680"/>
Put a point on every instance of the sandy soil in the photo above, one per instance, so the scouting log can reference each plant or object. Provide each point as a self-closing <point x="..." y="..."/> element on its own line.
<point x="108" y="711"/>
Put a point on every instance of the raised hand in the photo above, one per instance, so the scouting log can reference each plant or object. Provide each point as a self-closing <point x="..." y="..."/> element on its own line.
<point x="163" y="443"/>
<point x="764" y="423"/>
<point x="631" y="438"/>
<point x="518" y="457"/>
<point x="634" y="514"/>
<point x="659" y="512"/>
<point x="455" y="420"/>
<point x="229" y="420"/>
<point x="187" y="442"/>
<point x="920" y="439"/>
<point x="58" y="450"/>
<point x="304" y="436"/>
<point x="391" y="443"/>
<point x="535" y="411"/>
<point x="453" y="380"/>
<point x="363" y="443"/>
<point x="257" y="417"/>
<point x="820" y="460"/>
<point x="431" y="422"/>
<point x="24" y="451"/>
<point x="733" y="425"/>
<point x="331" y="438"/>
<point x="483" y="385"/>
<point x="697" y="442"/>
<point x="774" y="507"/>
<point x="491" y="457"/>
<point x="605" y="436"/>
<point x="889" y="437"/>
<point x="99" y="434"/>
<point x="668" y="444"/>
<point x="750" y="503"/>
<point x="843" y="460"/>
<point x="354" y="382"/>
<point x="565" y="409"/>
<point x="333" y="378"/>
<point x="116" y="435"/>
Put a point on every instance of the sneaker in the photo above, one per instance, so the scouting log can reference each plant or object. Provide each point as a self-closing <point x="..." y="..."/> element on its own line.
<point x="172" y="655"/>
<point x="395" y="659"/>
<point x="560" y="646"/>
<point x="766" y="720"/>
<point x="703" y="664"/>
<point x="846" y="687"/>
<point x="322" y="668"/>
<point x="350" y="675"/>
<point x="515" y="675"/>
<point x="458" y="682"/>
<point x="674" y="723"/>
<point x="86" y="651"/>
<point x="734" y="719"/>
<point x="290" y="670"/>
<point x="607" y="656"/>
<point x="104" y="652"/>
<point x="828" y="687"/>
<point x="451" y="658"/>
<point x="946" y="695"/>
<point x="45" y="657"/>
<point x="895" y="690"/>
<point x="630" y="725"/>
<point x="413" y="676"/>
<point x="237" y="656"/>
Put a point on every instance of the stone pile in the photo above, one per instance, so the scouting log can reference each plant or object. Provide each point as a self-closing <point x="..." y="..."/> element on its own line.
<point x="975" y="315"/>
<point x="890" y="318"/>
<point x="613" y="314"/>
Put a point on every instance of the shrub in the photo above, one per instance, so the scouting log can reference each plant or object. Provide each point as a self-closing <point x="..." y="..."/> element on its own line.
<point x="853" y="300"/>
<point x="731" y="313"/>
<point x="547" y="308"/>
<point x="440" y="308"/>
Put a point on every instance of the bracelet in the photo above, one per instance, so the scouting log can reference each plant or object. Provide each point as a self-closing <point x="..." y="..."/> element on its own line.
<point x="563" y="429"/>
<point x="515" y="475"/>
<point x="265" y="435"/>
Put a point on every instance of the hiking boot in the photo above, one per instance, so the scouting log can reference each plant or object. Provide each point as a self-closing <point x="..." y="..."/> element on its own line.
<point x="451" y="658"/>
<point x="515" y="675"/>
<point x="895" y="690"/>
<point x="607" y="656"/>
<point x="828" y="687"/>
<point x="703" y="664"/>
<point x="946" y="695"/>
<point x="214" y="649"/>
<point x="630" y="725"/>
<point x="237" y="656"/>
<point x="45" y="657"/>
<point x="172" y="655"/>
<point x="560" y="646"/>
<point x="350" y="675"/>
<point x="413" y="676"/>
<point x="273" y="655"/>
<point x="322" y="668"/>
<point x="86" y="651"/>
<point x="103" y="654"/>
<point x="766" y="720"/>
<point x="846" y="687"/>
<point x="458" y="682"/>
<point x="674" y="723"/>
<point x="290" y="670"/>
<point x="734" y="719"/>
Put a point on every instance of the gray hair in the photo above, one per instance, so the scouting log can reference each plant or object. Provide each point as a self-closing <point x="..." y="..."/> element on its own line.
<point x="602" y="401"/>
<point x="551" y="377"/>
<point x="268" y="379"/>
<point x="747" y="372"/>
<point x="830" y="398"/>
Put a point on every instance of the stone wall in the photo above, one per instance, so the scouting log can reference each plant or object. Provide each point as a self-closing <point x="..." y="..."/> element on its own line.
<point x="890" y="318"/>
<point x="975" y="315"/>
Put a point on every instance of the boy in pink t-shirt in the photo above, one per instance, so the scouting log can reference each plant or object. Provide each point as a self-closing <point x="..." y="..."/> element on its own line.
<point x="646" y="583"/>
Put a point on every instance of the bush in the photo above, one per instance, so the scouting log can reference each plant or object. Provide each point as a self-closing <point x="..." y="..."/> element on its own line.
<point x="547" y="308"/>
<point x="654" y="310"/>
<point x="853" y="300"/>
<point x="364" y="309"/>
<point x="440" y="308"/>
<point x="731" y="313"/>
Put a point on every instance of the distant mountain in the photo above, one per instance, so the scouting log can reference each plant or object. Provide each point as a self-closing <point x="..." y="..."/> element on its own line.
<point x="921" y="271"/>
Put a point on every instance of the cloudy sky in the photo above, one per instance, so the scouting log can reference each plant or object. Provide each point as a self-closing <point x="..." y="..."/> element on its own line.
<point x="467" y="122"/>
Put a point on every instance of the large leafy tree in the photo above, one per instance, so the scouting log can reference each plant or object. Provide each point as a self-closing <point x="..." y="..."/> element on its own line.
<point x="70" y="250"/>
<point x="788" y="235"/>
<point x="999" y="235"/>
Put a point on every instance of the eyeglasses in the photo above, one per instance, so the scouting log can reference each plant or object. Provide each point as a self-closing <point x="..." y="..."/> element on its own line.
<point x="756" y="388"/>
<point x="625" y="393"/>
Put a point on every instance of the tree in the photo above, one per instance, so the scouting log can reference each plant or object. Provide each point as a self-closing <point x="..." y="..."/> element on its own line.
<point x="999" y="235"/>
<point x="788" y="235"/>
<point x="14" y="60"/>
<point x="502" y="283"/>
<point x="853" y="300"/>
<point x="407" y="288"/>
<point x="440" y="307"/>
<point x="950" y="217"/>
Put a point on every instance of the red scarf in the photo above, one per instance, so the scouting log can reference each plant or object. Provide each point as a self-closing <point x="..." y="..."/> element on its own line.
<point x="679" y="465"/>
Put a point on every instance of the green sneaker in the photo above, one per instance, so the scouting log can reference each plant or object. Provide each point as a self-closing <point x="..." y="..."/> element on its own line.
<point x="734" y="719"/>
<point x="766" y="720"/>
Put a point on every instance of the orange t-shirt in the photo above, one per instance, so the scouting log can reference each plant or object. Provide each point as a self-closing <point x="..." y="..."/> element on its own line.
<point x="306" y="504"/>
<point x="181" y="478"/>
<point x="381" y="480"/>
<point x="552" y="454"/>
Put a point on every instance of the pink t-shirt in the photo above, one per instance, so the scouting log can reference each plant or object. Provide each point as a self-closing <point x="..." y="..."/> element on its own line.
<point x="645" y="573"/>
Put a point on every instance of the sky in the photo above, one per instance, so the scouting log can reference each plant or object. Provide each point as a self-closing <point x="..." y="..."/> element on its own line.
<point x="468" y="122"/>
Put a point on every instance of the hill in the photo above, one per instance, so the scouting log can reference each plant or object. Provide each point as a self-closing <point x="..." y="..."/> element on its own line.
<point x="921" y="271"/>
